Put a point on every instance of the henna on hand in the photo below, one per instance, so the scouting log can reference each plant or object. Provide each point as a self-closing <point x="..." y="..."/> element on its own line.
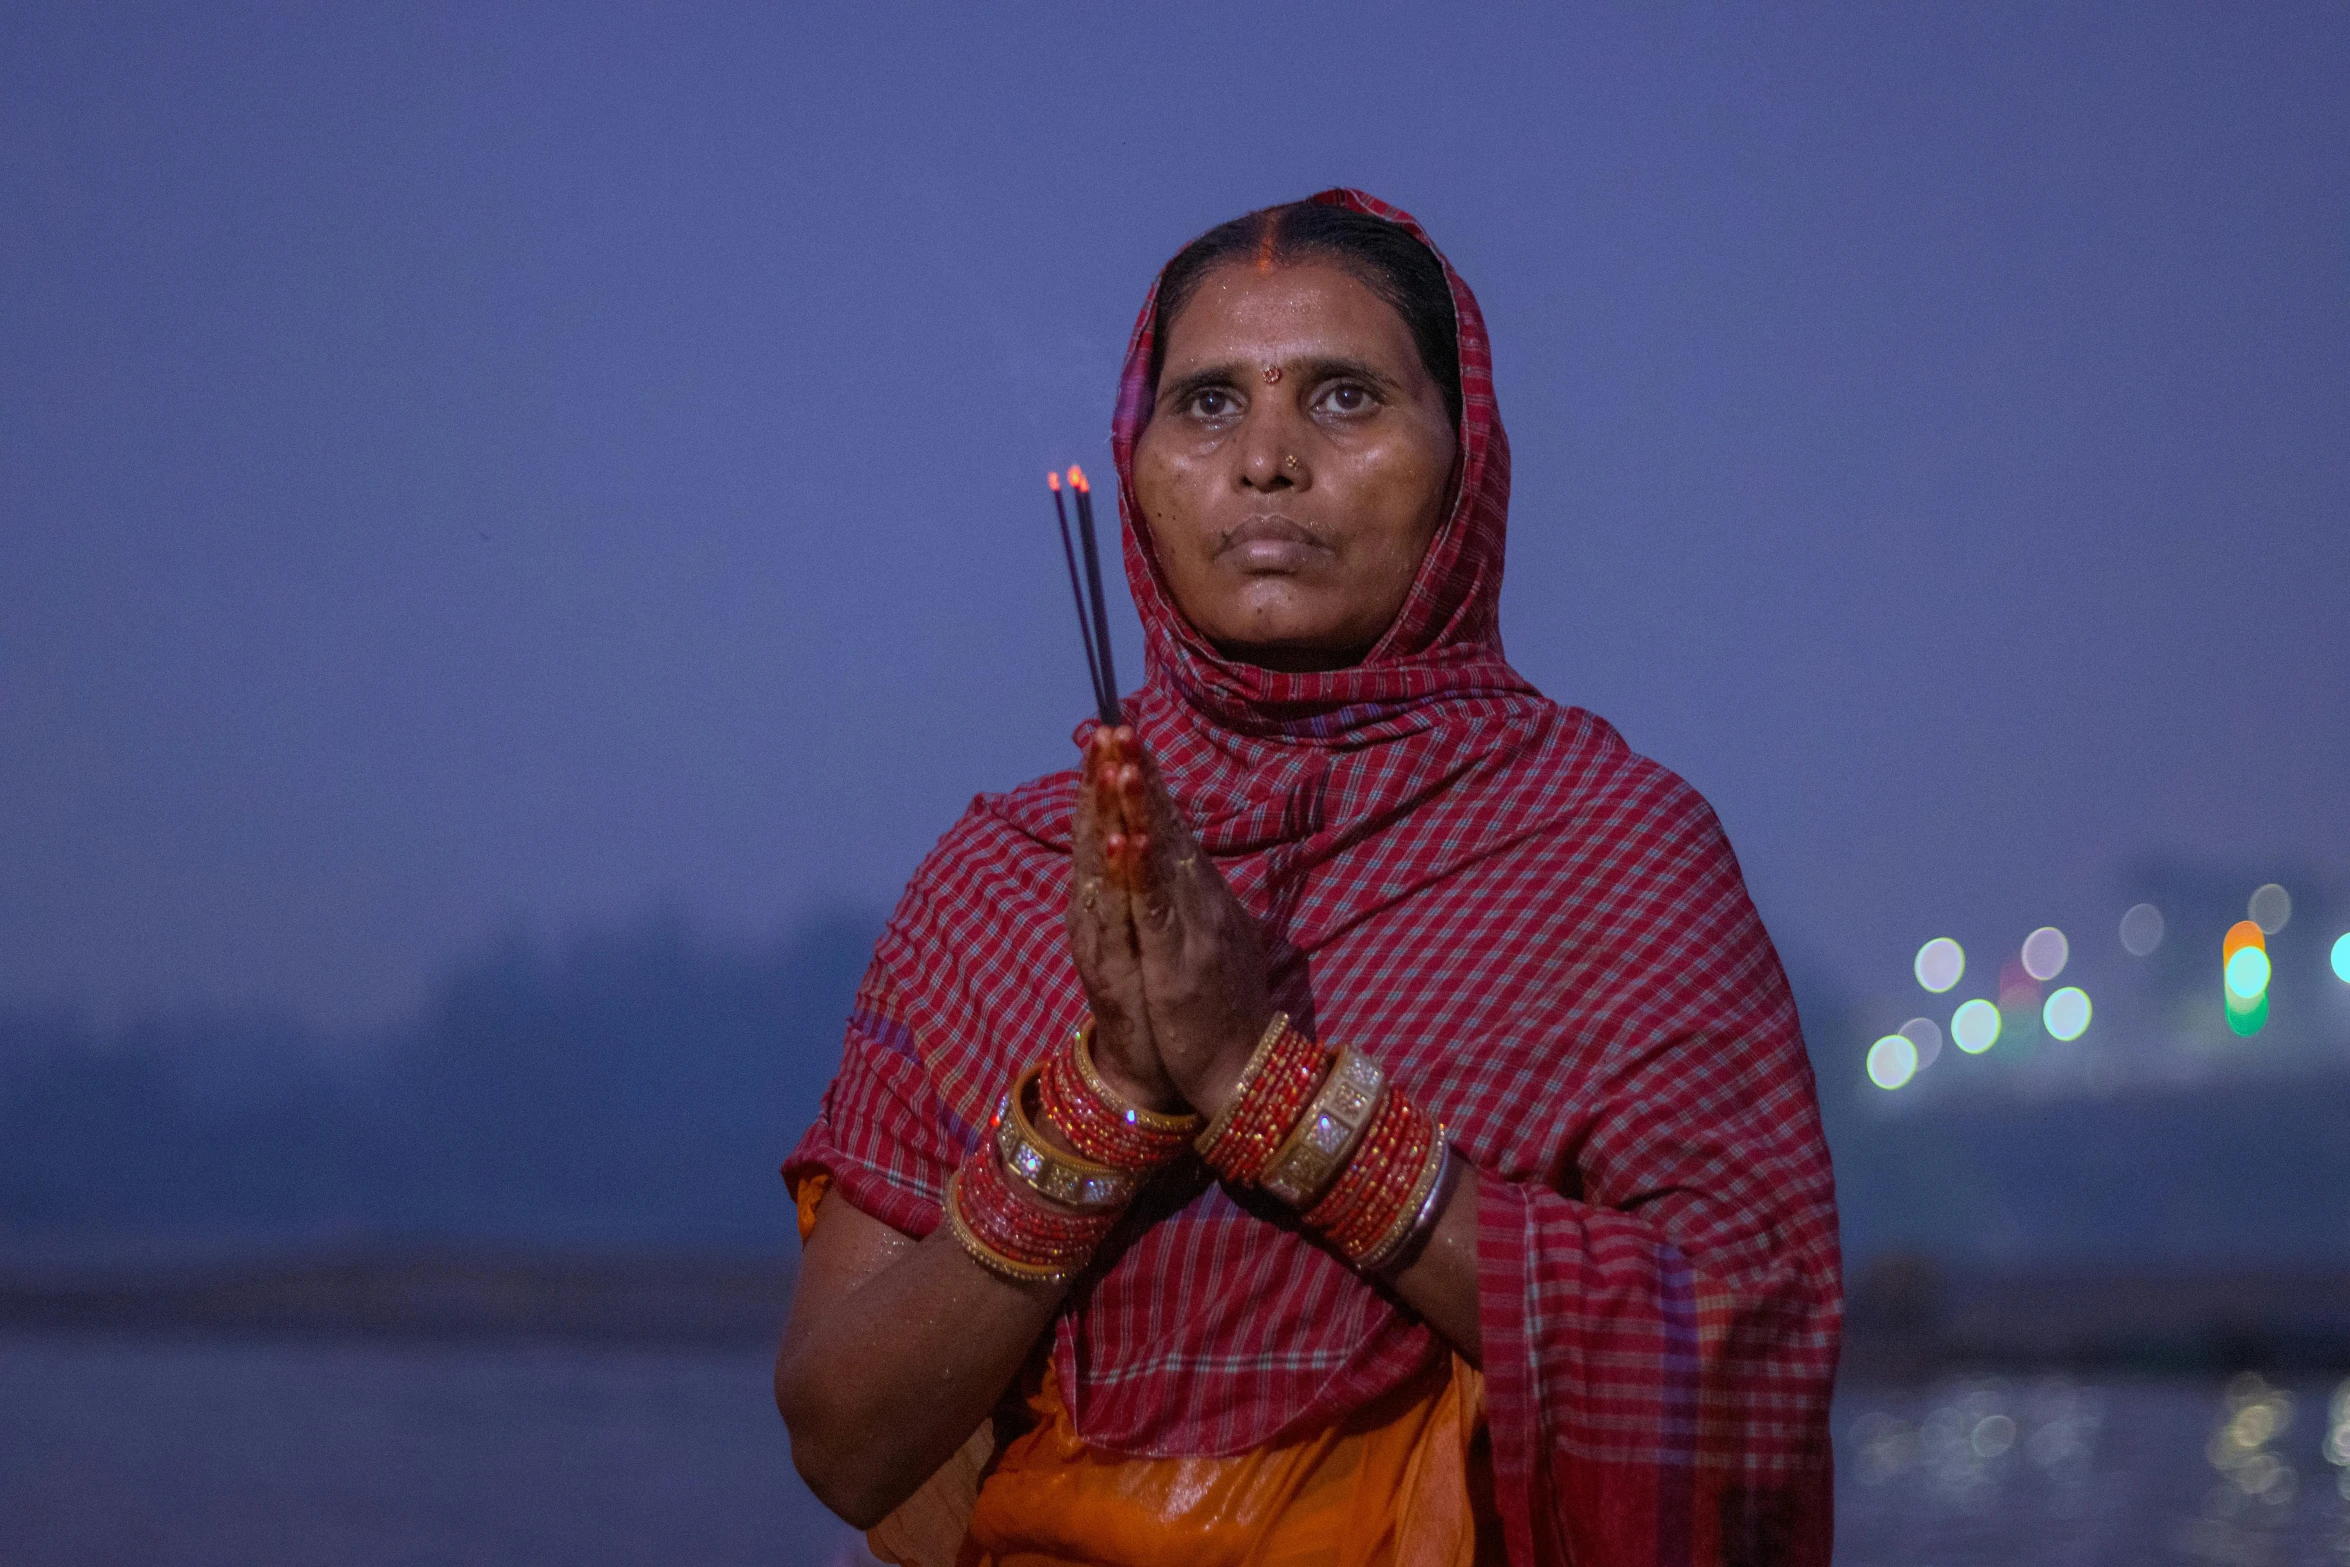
<point x="1105" y="860"/>
<point x="1201" y="954"/>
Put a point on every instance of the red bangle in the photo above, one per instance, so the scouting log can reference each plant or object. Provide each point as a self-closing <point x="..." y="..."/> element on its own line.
<point x="1275" y="1096"/>
<point x="1361" y="1176"/>
<point x="1007" y="1227"/>
<point x="1109" y="1132"/>
<point x="1368" y="1201"/>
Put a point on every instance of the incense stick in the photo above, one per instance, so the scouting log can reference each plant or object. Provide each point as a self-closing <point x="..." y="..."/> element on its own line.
<point x="1093" y="667"/>
<point x="1093" y="585"/>
<point x="1093" y="614"/>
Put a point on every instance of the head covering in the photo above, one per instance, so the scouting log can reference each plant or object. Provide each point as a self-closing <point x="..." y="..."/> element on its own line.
<point x="1542" y="936"/>
<point x="1446" y="639"/>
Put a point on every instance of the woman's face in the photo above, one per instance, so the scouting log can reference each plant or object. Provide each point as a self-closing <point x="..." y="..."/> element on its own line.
<point x="1297" y="462"/>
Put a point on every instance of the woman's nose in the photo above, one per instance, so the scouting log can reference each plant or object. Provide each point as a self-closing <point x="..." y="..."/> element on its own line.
<point x="1270" y="457"/>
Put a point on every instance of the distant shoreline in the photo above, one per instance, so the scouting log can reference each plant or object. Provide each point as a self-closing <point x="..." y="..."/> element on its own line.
<point x="1907" y="1318"/>
<point x="710" y="1297"/>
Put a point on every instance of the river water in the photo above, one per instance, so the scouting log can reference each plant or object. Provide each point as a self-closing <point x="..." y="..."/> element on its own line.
<point x="186" y="1452"/>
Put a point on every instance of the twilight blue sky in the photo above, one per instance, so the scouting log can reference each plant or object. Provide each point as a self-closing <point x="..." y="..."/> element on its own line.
<point x="474" y="466"/>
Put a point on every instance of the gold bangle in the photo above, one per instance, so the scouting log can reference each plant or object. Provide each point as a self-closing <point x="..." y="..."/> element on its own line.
<point x="1419" y="1211"/>
<point x="1318" y="1146"/>
<point x="987" y="1256"/>
<point x="1132" y="1114"/>
<point x="1075" y="1183"/>
<point x="1248" y="1075"/>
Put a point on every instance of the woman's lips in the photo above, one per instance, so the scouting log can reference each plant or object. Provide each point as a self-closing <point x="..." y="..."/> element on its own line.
<point x="1271" y="544"/>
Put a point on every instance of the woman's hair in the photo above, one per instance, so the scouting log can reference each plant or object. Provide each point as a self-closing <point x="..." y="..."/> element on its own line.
<point x="1384" y="257"/>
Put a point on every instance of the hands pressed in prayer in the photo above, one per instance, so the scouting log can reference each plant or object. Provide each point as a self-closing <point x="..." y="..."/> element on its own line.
<point x="1174" y="966"/>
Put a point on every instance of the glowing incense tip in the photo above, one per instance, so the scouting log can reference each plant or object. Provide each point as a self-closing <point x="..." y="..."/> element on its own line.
<point x="1052" y="481"/>
<point x="1077" y="479"/>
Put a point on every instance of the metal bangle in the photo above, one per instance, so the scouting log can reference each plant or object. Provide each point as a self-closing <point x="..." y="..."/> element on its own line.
<point x="1329" y="1131"/>
<point x="1077" y="1184"/>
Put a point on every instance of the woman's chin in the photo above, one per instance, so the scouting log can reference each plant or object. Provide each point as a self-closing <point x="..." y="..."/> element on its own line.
<point x="1302" y="654"/>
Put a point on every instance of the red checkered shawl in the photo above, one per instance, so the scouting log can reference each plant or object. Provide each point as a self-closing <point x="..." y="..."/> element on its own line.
<point x="1545" y="938"/>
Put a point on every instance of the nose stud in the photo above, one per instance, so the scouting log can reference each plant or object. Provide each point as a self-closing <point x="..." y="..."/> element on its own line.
<point x="1290" y="462"/>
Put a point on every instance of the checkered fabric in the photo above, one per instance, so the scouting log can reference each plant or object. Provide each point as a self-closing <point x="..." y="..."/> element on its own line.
<point x="1545" y="938"/>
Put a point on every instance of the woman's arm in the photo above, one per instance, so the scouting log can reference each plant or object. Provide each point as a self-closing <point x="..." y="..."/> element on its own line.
<point x="1441" y="1282"/>
<point x="895" y="1351"/>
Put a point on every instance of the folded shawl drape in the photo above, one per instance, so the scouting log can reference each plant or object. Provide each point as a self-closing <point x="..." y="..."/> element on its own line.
<point x="1546" y="939"/>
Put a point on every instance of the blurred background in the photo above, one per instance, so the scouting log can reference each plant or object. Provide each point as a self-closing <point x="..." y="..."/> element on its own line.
<point x="520" y="525"/>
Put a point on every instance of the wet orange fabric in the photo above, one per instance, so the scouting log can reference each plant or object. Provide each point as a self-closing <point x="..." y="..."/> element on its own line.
<point x="1407" y="1481"/>
<point x="1391" y="1485"/>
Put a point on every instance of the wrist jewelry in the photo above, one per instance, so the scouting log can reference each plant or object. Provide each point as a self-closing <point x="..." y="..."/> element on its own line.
<point x="1320" y="1142"/>
<point x="1284" y="1083"/>
<point x="1382" y="1184"/>
<point x="1099" y="1122"/>
<point x="1418" y="1218"/>
<point x="988" y="1257"/>
<point x="1013" y="1236"/>
<point x="1240" y="1087"/>
<point x="1159" y="1124"/>
<point x="1074" y="1183"/>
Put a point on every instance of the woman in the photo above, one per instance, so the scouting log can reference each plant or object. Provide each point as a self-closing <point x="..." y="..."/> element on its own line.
<point x="1510" y="1232"/>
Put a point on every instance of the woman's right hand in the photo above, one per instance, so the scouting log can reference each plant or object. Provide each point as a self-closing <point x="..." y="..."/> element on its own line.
<point x="1108" y="855"/>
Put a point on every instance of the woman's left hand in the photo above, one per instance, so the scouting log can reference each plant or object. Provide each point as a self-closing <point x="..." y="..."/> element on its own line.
<point x="1203" y="957"/>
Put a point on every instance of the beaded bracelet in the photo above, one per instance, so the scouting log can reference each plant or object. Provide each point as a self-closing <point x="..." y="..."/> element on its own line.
<point x="1323" y="1138"/>
<point x="1079" y="1184"/>
<point x="1099" y="1122"/>
<point x="1269" y="1107"/>
<point x="1014" y="1236"/>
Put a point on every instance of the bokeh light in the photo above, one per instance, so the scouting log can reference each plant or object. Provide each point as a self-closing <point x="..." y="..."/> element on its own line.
<point x="1974" y="1027"/>
<point x="2271" y="908"/>
<point x="1941" y="962"/>
<point x="2245" y="1018"/>
<point x="2342" y="957"/>
<point x="2045" y="951"/>
<point x="2067" y="1014"/>
<point x="1926" y="1034"/>
<point x="2245" y="973"/>
<point x="2141" y="929"/>
<point x="1893" y="1061"/>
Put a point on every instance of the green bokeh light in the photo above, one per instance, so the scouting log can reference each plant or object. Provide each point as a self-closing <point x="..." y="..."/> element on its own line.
<point x="2342" y="957"/>
<point x="2246" y="1017"/>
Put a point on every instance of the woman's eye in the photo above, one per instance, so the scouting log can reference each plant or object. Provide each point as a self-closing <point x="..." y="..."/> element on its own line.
<point x="1213" y="403"/>
<point x="1347" y="399"/>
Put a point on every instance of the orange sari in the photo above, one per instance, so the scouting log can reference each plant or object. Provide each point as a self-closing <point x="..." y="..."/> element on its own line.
<point x="1406" y="1481"/>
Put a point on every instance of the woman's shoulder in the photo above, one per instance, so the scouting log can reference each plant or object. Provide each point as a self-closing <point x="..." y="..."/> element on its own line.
<point x="1001" y="841"/>
<point x="1613" y="787"/>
